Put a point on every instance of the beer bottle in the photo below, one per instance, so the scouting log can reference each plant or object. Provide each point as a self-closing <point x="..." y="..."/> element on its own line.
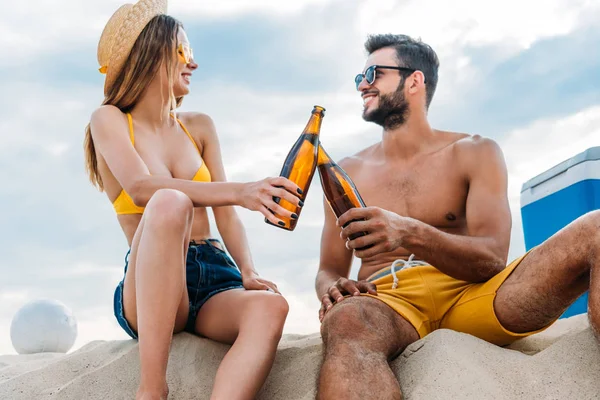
<point x="339" y="190"/>
<point x="300" y="165"/>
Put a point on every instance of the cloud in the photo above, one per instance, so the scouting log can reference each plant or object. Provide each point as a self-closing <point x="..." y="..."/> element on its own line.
<point x="554" y="77"/>
<point x="299" y="53"/>
<point x="39" y="27"/>
<point x="272" y="8"/>
<point x="457" y="24"/>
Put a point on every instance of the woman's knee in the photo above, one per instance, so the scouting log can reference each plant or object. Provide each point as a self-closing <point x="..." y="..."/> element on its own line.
<point x="278" y="307"/>
<point x="169" y="207"/>
<point x="267" y="312"/>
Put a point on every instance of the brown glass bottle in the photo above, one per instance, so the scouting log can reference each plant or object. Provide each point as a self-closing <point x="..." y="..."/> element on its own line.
<point x="339" y="190"/>
<point x="300" y="165"/>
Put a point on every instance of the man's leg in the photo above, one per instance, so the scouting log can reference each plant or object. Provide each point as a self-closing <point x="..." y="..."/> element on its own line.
<point x="361" y="335"/>
<point x="552" y="276"/>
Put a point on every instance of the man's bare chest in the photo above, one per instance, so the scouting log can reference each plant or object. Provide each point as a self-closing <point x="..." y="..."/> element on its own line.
<point x="434" y="193"/>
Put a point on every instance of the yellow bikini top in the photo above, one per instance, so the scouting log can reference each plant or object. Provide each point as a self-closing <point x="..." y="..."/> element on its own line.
<point x="124" y="204"/>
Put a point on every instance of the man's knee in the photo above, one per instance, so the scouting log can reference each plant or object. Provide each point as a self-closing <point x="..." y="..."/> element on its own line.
<point x="586" y="232"/>
<point x="588" y="225"/>
<point x="592" y="223"/>
<point x="343" y="321"/>
<point x="580" y="237"/>
<point x="367" y="323"/>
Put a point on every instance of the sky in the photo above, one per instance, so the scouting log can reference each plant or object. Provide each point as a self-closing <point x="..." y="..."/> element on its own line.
<point x="526" y="74"/>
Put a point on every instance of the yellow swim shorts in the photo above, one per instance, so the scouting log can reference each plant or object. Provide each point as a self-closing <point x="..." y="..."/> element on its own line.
<point x="430" y="300"/>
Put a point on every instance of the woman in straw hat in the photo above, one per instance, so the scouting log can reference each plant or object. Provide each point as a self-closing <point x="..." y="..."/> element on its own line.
<point x="161" y="171"/>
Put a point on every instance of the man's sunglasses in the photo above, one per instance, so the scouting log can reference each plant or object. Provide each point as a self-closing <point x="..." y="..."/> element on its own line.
<point x="185" y="53"/>
<point x="371" y="73"/>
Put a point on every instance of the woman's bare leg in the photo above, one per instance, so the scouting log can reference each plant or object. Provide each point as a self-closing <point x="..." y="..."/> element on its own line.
<point x="253" y="321"/>
<point x="155" y="298"/>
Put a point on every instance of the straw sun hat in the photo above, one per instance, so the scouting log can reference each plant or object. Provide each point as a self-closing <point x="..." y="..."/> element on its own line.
<point x="121" y="32"/>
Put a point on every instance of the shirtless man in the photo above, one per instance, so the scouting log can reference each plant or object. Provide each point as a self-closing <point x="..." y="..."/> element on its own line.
<point x="438" y="225"/>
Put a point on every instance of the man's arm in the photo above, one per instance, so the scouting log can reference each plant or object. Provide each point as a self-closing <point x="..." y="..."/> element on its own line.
<point x="475" y="257"/>
<point x="332" y="281"/>
<point x="482" y="254"/>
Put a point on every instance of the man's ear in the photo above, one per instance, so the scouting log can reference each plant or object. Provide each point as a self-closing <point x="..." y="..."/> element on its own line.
<point x="416" y="80"/>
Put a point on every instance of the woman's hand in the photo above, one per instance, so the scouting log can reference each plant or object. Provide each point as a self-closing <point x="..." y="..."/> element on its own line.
<point x="252" y="281"/>
<point x="259" y="196"/>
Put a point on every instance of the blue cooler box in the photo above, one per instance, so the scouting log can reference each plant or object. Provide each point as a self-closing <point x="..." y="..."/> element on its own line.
<point x="553" y="199"/>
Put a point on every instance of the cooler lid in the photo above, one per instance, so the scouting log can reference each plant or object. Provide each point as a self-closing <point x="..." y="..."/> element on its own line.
<point x="591" y="154"/>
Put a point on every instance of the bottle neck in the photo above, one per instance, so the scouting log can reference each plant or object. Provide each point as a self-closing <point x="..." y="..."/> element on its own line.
<point x="323" y="157"/>
<point x="313" y="127"/>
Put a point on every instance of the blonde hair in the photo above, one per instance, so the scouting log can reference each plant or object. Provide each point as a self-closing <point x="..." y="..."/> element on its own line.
<point x="154" y="48"/>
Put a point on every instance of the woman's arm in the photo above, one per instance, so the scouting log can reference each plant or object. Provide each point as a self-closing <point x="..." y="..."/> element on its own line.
<point x="111" y="139"/>
<point x="228" y="222"/>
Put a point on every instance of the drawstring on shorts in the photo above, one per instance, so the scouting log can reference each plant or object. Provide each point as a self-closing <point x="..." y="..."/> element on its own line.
<point x="405" y="264"/>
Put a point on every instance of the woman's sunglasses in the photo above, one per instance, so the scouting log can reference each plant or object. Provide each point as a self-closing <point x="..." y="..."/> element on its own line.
<point x="370" y="73"/>
<point x="185" y="53"/>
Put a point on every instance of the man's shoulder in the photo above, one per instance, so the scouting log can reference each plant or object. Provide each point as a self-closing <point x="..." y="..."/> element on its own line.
<point x="476" y="142"/>
<point x="357" y="160"/>
<point x="478" y="153"/>
<point x="474" y="145"/>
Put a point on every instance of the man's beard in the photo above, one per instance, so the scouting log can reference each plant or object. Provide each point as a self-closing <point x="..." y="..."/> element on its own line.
<point x="392" y="111"/>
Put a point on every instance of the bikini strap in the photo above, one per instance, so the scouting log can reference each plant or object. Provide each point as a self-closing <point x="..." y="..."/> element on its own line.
<point x="188" y="133"/>
<point x="131" y="137"/>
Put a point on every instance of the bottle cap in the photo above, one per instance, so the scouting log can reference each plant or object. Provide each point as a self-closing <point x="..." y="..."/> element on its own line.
<point x="319" y="109"/>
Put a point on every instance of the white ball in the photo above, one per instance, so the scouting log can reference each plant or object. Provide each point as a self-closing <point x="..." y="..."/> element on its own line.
<point x="43" y="326"/>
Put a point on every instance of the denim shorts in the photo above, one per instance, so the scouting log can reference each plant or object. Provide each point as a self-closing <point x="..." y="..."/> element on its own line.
<point x="209" y="270"/>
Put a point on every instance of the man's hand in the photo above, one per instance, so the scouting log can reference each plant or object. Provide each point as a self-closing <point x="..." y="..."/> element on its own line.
<point x="342" y="287"/>
<point x="385" y="230"/>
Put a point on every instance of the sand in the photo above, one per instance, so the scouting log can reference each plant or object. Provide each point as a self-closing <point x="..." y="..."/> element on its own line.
<point x="562" y="362"/>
